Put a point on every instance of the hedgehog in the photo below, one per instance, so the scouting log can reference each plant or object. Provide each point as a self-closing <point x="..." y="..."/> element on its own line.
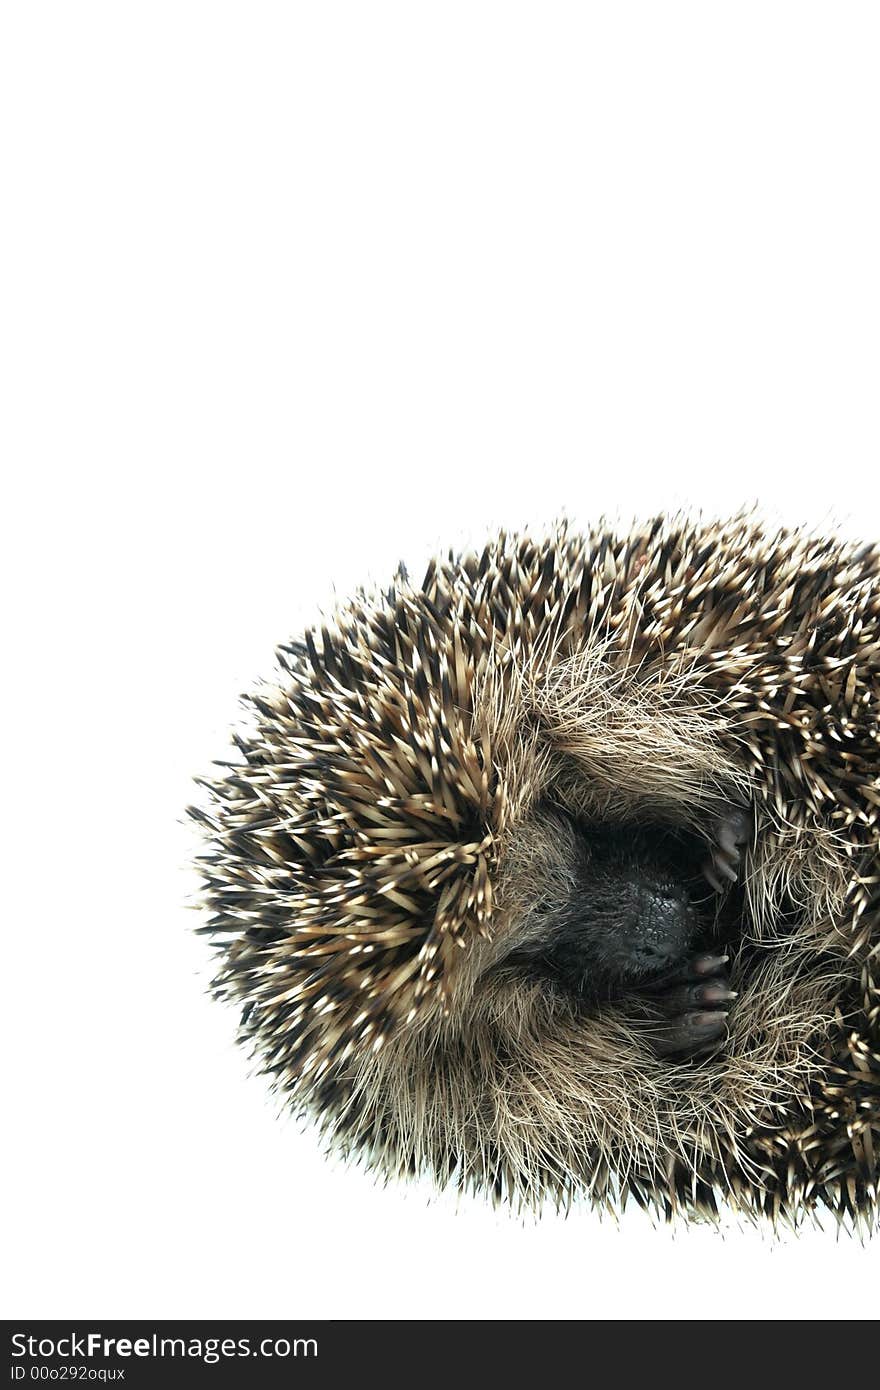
<point x="555" y="876"/>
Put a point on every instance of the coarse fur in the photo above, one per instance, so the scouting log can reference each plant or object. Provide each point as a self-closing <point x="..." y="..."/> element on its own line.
<point x="378" y="855"/>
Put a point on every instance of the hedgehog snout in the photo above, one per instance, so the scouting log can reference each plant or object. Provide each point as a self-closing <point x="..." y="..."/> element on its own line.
<point x="656" y="933"/>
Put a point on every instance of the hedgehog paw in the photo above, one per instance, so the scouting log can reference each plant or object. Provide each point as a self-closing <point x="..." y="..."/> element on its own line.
<point x="732" y="833"/>
<point x="695" y="1008"/>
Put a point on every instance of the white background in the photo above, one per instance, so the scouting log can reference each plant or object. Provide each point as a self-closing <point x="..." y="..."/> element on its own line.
<point x="291" y="291"/>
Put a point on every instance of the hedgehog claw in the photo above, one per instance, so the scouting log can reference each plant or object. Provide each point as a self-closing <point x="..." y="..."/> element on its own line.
<point x="712" y="878"/>
<point x="732" y="834"/>
<point x="695" y="1003"/>
<point x="698" y="967"/>
<point x="691" y="1033"/>
<point x="702" y="993"/>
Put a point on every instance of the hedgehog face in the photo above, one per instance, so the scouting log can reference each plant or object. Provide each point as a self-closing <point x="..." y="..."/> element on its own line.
<point x="638" y="908"/>
<point x="633" y="920"/>
<point x="633" y="913"/>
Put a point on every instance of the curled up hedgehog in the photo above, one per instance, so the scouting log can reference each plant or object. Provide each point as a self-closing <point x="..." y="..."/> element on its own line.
<point x="557" y="873"/>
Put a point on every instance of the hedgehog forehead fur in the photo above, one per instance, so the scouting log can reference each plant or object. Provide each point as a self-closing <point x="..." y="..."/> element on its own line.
<point x="378" y="848"/>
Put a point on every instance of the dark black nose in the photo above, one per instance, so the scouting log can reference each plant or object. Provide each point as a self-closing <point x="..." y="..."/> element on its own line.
<point x="660" y="930"/>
